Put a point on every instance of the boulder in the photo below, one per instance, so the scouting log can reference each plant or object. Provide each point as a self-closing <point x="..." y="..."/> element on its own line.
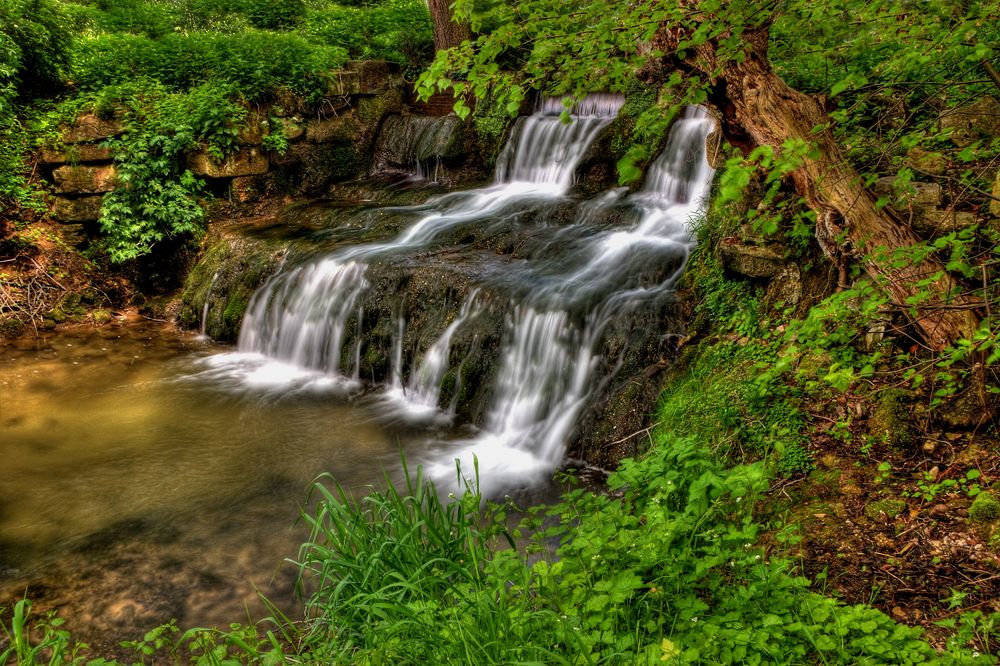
<point x="85" y="179"/>
<point x="968" y="124"/>
<point x="344" y="82"/>
<point x="247" y="162"/>
<point x="91" y="127"/>
<point x="80" y="209"/>
<point x="757" y="261"/>
<point x="75" y="153"/>
<point x="918" y="195"/>
<point x="933" y="163"/>
<point x="934" y="221"/>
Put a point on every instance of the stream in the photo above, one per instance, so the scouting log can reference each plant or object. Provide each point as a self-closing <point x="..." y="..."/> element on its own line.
<point x="150" y="474"/>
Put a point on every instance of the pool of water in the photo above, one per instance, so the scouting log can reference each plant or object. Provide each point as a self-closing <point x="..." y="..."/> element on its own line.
<point x="138" y="485"/>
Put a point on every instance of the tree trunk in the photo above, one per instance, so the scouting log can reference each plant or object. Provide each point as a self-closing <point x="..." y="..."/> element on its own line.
<point x="447" y="33"/>
<point x="761" y="109"/>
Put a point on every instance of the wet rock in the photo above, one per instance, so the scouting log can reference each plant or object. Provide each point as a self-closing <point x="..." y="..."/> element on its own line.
<point x="79" y="209"/>
<point x="245" y="162"/>
<point x="338" y="129"/>
<point x="84" y="179"/>
<point x="968" y="124"/>
<point x="91" y="127"/>
<point x="757" y="261"/>
<point x="231" y="269"/>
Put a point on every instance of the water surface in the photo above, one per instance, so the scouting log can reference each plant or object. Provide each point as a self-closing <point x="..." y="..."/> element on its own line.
<point x="136" y="486"/>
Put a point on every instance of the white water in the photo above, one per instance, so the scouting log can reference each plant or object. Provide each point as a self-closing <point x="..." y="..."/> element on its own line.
<point x="547" y="371"/>
<point x="296" y="322"/>
<point x="204" y="308"/>
<point x="294" y="331"/>
<point x="419" y="399"/>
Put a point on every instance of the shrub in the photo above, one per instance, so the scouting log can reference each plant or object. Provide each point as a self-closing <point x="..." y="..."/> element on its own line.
<point x="156" y="195"/>
<point x="255" y="63"/>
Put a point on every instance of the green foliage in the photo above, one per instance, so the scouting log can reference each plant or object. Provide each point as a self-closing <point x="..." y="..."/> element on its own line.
<point x="55" y="645"/>
<point x="156" y="194"/>
<point x="34" y="47"/>
<point x="396" y="30"/>
<point x="275" y="14"/>
<point x="254" y="63"/>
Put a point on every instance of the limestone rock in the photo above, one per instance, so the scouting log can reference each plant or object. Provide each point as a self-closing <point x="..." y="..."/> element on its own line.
<point x="75" y="153"/>
<point x="344" y="82"/>
<point x="979" y="120"/>
<point x="338" y="129"/>
<point x="90" y="127"/>
<point x="932" y="222"/>
<point x="248" y="162"/>
<point x="933" y="163"/>
<point x="375" y="76"/>
<point x="756" y="261"/>
<point x="85" y="179"/>
<point x="786" y="286"/>
<point x="921" y="195"/>
<point x="81" y="209"/>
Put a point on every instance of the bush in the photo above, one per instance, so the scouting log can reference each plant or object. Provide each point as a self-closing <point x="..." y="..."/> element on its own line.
<point x="398" y="30"/>
<point x="156" y="196"/>
<point x="255" y="63"/>
<point x="275" y="14"/>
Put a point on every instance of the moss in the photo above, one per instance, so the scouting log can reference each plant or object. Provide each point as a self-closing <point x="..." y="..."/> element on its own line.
<point x="985" y="508"/>
<point x="891" y="508"/>
<point x="233" y="314"/>
<point x="11" y="327"/>
<point x="101" y="316"/>
<point x="890" y="421"/>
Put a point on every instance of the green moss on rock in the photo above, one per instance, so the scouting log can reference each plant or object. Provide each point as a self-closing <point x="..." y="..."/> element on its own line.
<point x="890" y="422"/>
<point x="985" y="508"/>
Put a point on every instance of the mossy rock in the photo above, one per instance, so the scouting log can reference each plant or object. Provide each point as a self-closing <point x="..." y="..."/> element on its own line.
<point x="985" y="508"/>
<point x="890" y="421"/>
<point x="890" y="508"/>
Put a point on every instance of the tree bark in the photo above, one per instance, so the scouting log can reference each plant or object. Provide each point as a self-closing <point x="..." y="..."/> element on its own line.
<point x="447" y="32"/>
<point x="760" y="109"/>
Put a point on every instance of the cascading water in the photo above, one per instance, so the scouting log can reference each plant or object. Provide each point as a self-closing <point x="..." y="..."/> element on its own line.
<point x="547" y="368"/>
<point x="296" y="326"/>
<point x="419" y="398"/>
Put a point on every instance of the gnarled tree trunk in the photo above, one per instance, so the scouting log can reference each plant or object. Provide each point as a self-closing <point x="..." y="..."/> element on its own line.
<point x="447" y="32"/>
<point x="760" y="109"/>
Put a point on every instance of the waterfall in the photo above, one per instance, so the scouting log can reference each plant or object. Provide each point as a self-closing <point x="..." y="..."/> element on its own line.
<point x="300" y="315"/>
<point x="414" y="143"/>
<point x="547" y="369"/>
<point x="419" y="399"/>
<point x="204" y="308"/>
<point x="552" y="360"/>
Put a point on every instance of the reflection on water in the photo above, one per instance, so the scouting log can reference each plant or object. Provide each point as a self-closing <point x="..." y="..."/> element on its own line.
<point x="134" y="488"/>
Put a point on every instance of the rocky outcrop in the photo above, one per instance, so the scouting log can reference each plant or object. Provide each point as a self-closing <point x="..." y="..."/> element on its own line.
<point x="327" y="142"/>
